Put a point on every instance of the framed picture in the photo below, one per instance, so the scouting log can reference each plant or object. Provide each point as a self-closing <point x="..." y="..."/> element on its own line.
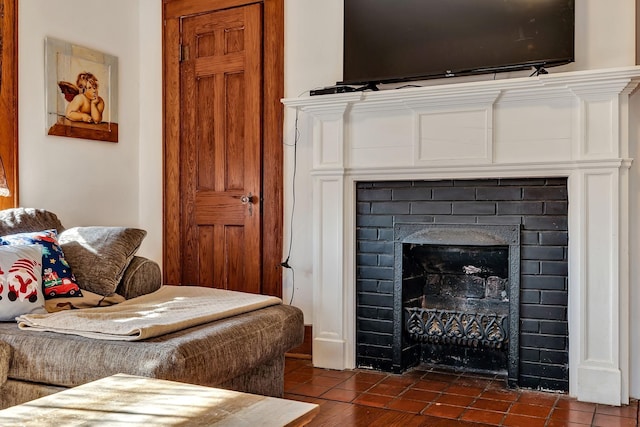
<point x="81" y="91"/>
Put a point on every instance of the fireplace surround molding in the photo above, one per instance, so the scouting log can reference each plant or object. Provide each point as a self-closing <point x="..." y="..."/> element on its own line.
<point x="574" y="125"/>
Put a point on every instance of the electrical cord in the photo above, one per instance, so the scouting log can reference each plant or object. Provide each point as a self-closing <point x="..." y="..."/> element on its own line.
<point x="285" y="263"/>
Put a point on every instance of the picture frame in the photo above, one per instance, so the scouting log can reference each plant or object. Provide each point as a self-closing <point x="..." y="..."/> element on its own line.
<point x="81" y="87"/>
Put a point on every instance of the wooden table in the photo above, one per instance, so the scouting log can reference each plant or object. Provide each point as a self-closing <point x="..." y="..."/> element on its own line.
<point x="125" y="400"/>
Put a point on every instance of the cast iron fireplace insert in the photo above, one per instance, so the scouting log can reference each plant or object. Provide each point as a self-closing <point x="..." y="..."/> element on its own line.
<point x="456" y="296"/>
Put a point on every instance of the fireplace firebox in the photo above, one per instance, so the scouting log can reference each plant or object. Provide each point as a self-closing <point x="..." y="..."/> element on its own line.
<point x="458" y="286"/>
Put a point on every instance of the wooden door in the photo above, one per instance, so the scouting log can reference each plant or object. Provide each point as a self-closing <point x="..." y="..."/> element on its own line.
<point x="216" y="144"/>
<point x="221" y="148"/>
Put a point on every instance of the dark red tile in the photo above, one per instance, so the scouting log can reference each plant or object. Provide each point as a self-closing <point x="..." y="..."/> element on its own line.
<point x="472" y="382"/>
<point x="334" y="374"/>
<point x="288" y="385"/>
<point x="491" y="405"/>
<point x="299" y="377"/>
<point x="465" y="391"/>
<point x="574" y="405"/>
<point x="407" y="405"/>
<point x="395" y="418"/>
<point x="340" y="395"/>
<point x="370" y="377"/>
<point x="293" y="364"/>
<point x="530" y="410"/>
<point x="399" y="381"/>
<point x="309" y="390"/>
<point x="506" y="395"/>
<point x="306" y="368"/>
<point x="439" y="398"/>
<point x="421" y="395"/>
<point x="356" y="384"/>
<point x="321" y="381"/>
<point x="430" y="385"/>
<point x="376" y="400"/>
<point x="577" y="417"/>
<point x="541" y="399"/>
<point x="479" y="416"/>
<point x="562" y="423"/>
<point x="386" y="389"/>
<point x="444" y="411"/>
<point x="515" y="420"/>
<point x="345" y="414"/>
<point x="455" y="399"/>
<point x="604" y="420"/>
<point x="628" y="411"/>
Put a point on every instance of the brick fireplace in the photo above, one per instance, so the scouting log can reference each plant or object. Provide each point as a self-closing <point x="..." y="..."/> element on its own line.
<point x="573" y="127"/>
<point x="512" y="232"/>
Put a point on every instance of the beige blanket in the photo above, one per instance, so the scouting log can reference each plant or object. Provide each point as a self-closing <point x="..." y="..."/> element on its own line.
<point x="169" y="309"/>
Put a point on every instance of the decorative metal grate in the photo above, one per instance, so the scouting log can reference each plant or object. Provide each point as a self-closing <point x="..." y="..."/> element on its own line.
<point x="457" y="328"/>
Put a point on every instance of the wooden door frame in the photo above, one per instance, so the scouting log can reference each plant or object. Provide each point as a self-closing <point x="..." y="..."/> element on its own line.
<point x="9" y="100"/>
<point x="272" y="152"/>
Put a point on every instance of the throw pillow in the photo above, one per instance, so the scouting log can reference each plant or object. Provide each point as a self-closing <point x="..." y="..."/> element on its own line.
<point x="20" y="281"/>
<point x="26" y="220"/>
<point x="57" y="277"/>
<point x="100" y="255"/>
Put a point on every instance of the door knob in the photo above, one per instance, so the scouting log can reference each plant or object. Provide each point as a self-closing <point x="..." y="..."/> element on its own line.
<point x="247" y="199"/>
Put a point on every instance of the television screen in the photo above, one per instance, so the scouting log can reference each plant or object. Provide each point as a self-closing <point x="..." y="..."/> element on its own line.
<point x="396" y="40"/>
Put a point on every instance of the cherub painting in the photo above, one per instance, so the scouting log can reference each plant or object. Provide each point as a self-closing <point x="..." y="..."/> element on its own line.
<point x="81" y="92"/>
<point x="85" y="105"/>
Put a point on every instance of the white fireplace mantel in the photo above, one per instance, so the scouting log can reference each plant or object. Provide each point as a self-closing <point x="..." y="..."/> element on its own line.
<point x="573" y="125"/>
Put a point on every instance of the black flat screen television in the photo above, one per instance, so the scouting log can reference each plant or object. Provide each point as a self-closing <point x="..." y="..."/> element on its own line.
<point x="389" y="41"/>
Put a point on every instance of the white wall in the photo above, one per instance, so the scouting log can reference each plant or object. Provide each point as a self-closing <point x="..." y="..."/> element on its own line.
<point x="89" y="182"/>
<point x="93" y="182"/>
<point x="150" y="135"/>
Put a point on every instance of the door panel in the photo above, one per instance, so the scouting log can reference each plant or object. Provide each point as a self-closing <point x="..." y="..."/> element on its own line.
<point x="221" y="149"/>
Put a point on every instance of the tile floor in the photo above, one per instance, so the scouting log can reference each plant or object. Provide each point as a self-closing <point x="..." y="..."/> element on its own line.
<point x="438" y="398"/>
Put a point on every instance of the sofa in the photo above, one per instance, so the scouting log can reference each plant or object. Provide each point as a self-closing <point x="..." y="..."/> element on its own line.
<point x="243" y="352"/>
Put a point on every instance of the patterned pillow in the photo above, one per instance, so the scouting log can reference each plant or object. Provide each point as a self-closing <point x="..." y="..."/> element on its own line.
<point x="57" y="278"/>
<point x="20" y="281"/>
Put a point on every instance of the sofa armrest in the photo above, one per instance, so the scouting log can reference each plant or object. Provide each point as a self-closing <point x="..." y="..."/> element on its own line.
<point x="141" y="277"/>
<point x="5" y="359"/>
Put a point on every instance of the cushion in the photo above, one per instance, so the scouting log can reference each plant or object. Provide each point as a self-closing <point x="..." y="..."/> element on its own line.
<point x="25" y="220"/>
<point x="100" y="255"/>
<point x="141" y="277"/>
<point x="20" y="281"/>
<point x="5" y="359"/>
<point x="57" y="277"/>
